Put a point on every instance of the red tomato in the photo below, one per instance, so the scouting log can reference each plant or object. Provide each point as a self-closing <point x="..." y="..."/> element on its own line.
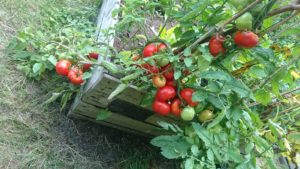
<point x="216" y="45"/>
<point x="150" y="68"/>
<point x="187" y="94"/>
<point x="161" y="108"/>
<point x="175" y="107"/>
<point x="169" y="75"/>
<point x="149" y="50"/>
<point x="246" y="39"/>
<point x="62" y="67"/>
<point x="75" y="76"/>
<point x="161" y="47"/>
<point x="86" y="66"/>
<point x="171" y="83"/>
<point x="158" y="81"/>
<point x="94" y="55"/>
<point x="165" y="93"/>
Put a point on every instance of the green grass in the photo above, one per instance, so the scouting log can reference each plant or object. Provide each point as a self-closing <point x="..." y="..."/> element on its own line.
<point x="26" y="136"/>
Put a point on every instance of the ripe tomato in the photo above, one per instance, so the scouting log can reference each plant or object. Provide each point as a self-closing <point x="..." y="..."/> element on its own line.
<point x="165" y="93"/>
<point x="216" y="45"/>
<point x="75" y="76"/>
<point x="187" y="95"/>
<point x="171" y="83"/>
<point x="188" y="113"/>
<point x="150" y="68"/>
<point x="149" y="50"/>
<point x="94" y="55"/>
<point x="205" y="115"/>
<point x="86" y="66"/>
<point x="161" y="47"/>
<point x="161" y="108"/>
<point x="62" y="67"/>
<point x="159" y="81"/>
<point x="175" y="107"/>
<point x="169" y="75"/>
<point x="246" y="39"/>
<point x="244" y="22"/>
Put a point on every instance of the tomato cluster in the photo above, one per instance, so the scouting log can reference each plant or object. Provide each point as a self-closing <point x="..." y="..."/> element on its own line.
<point x="74" y="73"/>
<point x="242" y="38"/>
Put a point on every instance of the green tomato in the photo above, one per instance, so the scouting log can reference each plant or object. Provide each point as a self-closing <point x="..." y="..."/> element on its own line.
<point x="188" y="113"/>
<point x="205" y="115"/>
<point x="257" y="9"/>
<point x="238" y="4"/>
<point x="163" y="62"/>
<point x="244" y="22"/>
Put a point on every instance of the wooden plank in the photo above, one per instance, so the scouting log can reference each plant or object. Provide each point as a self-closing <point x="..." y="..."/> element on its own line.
<point x="105" y="20"/>
<point x="91" y="111"/>
<point x="122" y="128"/>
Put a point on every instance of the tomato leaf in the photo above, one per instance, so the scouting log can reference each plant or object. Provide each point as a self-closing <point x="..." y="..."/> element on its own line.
<point x="86" y="75"/>
<point x="171" y="146"/>
<point x="37" y="67"/>
<point x="177" y="75"/>
<point x="294" y="137"/>
<point x="262" y="96"/>
<point x="216" y="75"/>
<point x="187" y="52"/>
<point x="188" y="62"/>
<point x="120" y="88"/>
<point x="199" y="96"/>
<point x="103" y="114"/>
<point x="189" y="163"/>
<point x="52" y="59"/>
<point x="217" y="120"/>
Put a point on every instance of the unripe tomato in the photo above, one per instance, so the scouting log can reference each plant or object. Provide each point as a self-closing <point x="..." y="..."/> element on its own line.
<point x="246" y="39"/>
<point x="159" y="81"/>
<point x="161" y="47"/>
<point x="175" y="107"/>
<point x="244" y="22"/>
<point x="205" y="115"/>
<point x="161" y="108"/>
<point x="75" y="76"/>
<point x="257" y="9"/>
<point x="94" y="55"/>
<point x="150" y="68"/>
<point x="149" y="50"/>
<point x="169" y="75"/>
<point x="188" y="113"/>
<point x="86" y="67"/>
<point x="216" y="45"/>
<point x="165" y="93"/>
<point x="163" y="62"/>
<point x="62" y="67"/>
<point x="187" y="95"/>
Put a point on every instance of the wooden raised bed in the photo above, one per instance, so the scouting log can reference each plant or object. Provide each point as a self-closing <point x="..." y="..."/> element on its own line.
<point x="127" y="114"/>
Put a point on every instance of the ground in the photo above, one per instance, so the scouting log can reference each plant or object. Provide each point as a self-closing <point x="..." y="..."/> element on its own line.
<point x="33" y="135"/>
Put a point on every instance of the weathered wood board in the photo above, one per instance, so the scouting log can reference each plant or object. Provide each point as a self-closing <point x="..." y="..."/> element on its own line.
<point x="126" y="112"/>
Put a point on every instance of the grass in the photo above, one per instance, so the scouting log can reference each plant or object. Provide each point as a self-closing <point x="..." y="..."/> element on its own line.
<point x="36" y="136"/>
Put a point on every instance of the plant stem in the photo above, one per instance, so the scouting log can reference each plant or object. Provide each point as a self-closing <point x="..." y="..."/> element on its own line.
<point x="291" y="7"/>
<point x="275" y="26"/>
<point x="276" y="72"/>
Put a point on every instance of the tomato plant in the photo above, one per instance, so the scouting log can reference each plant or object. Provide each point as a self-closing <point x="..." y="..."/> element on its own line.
<point x="253" y="89"/>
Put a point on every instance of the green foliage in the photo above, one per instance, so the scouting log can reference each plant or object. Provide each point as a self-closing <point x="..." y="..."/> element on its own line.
<point x="65" y="33"/>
